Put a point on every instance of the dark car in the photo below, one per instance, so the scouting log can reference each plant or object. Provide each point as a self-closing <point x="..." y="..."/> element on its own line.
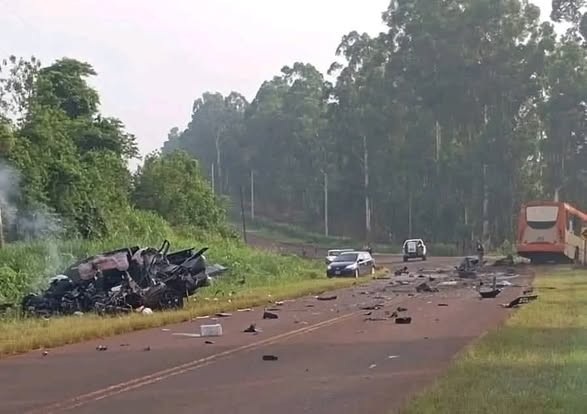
<point x="351" y="264"/>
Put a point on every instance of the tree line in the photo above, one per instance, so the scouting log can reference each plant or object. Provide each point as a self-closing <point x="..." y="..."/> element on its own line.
<point x="439" y="127"/>
<point x="64" y="166"/>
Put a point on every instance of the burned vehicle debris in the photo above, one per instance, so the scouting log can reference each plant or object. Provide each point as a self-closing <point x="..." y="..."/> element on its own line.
<point x="123" y="280"/>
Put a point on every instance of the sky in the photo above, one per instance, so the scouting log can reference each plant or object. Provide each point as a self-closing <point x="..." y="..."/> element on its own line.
<point x="155" y="57"/>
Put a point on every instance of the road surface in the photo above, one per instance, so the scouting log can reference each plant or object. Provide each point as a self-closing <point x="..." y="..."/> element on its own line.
<point x="330" y="358"/>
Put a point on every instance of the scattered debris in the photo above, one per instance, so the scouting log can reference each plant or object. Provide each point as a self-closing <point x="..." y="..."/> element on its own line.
<point x="123" y="345"/>
<point x="78" y="313"/>
<point x="101" y="348"/>
<point x="147" y="348"/>
<point x="279" y="303"/>
<point x="269" y="315"/>
<point x="165" y="330"/>
<point x="189" y="335"/>
<point x="402" y="271"/>
<point x="403" y="320"/>
<point x="45" y="353"/>
<point x="367" y="313"/>
<point x="124" y="280"/>
<point x="425" y="287"/>
<point x="521" y="300"/>
<point x="371" y="307"/>
<point x="449" y="283"/>
<point x="244" y="310"/>
<point x="489" y="294"/>
<point x="224" y="315"/>
<point x="393" y="356"/>
<point x="211" y="330"/>
<point x="251" y="329"/>
<point x="270" y="358"/>
<point x="400" y="309"/>
<point x="468" y="267"/>
<point x="328" y="297"/>
<point x="372" y="366"/>
<point x="209" y="342"/>
<point x="375" y="319"/>
<point x="443" y="304"/>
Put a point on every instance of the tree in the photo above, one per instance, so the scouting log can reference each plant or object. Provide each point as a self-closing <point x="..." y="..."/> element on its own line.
<point x="173" y="186"/>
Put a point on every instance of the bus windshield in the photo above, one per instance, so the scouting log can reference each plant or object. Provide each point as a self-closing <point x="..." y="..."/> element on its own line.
<point x="541" y="217"/>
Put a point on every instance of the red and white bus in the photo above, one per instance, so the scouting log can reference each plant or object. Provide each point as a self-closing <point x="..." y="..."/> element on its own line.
<point x="550" y="231"/>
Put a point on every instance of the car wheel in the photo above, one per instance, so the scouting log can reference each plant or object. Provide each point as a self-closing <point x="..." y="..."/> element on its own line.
<point x="357" y="274"/>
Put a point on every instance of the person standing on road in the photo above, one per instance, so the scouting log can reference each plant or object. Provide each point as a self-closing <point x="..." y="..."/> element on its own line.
<point x="480" y="252"/>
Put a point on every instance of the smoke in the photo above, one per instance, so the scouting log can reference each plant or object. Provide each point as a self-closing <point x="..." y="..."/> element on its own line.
<point x="23" y="223"/>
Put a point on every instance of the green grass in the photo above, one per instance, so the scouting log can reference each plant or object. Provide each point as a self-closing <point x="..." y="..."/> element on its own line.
<point x="535" y="363"/>
<point x="22" y="335"/>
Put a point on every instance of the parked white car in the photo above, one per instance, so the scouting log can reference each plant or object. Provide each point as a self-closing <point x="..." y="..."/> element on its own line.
<point x="414" y="248"/>
<point x="333" y="253"/>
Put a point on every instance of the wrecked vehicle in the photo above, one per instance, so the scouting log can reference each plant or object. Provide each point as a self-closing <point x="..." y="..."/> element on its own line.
<point x="123" y="280"/>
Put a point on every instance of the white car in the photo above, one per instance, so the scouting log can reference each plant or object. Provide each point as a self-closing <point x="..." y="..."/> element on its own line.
<point x="333" y="253"/>
<point x="414" y="248"/>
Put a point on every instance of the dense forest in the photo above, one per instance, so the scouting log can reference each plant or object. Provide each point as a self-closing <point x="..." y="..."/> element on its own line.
<point x="64" y="169"/>
<point x="440" y="127"/>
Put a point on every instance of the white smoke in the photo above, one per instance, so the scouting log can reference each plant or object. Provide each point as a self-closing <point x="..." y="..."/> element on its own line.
<point x="23" y="223"/>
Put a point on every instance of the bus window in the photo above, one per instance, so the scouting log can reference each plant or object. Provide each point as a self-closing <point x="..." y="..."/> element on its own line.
<point x="541" y="217"/>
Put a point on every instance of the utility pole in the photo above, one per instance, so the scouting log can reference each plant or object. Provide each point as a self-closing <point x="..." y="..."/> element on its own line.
<point x="252" y="196"/>
<point x="243" y="215"/>
<point x="326" y="204"/>
<point x="212" y="180"/>
<point x="410" y="213"/>
<point x="366" y="180"/>
<point x="485" y="206"/>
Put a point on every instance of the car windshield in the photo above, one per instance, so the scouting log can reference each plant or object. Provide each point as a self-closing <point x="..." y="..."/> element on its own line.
<point x="346" y="257"/>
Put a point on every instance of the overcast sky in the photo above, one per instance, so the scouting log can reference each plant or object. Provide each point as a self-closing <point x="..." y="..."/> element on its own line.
<point x="154" y="57"/>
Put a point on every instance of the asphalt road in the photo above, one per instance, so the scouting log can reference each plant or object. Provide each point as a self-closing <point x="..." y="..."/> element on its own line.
<point x="330" y="358"/>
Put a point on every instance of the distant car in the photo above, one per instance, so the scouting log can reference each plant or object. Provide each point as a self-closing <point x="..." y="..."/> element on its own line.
<point x="414" y="248"/>
<point x="333" y="253"/>
<point x="351" y="264"/>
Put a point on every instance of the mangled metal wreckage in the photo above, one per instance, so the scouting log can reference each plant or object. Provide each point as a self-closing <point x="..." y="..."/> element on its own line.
<point x="124" y="280"/>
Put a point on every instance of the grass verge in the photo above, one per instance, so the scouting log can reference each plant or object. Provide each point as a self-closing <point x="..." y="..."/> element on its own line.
<point x="535" y="363"/>
<point x="22" y="335"/>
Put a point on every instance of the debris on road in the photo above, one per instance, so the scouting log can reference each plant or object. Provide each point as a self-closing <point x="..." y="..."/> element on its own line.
<point x="443" y="304"/>
<point x="224" y="315"/>
<point x="244" y="310"/>
<point x="402" y="271"/>
<point x="403" y="320"/>
<point x="425" y="287"/>
<point x="269" y="315"/>
<point x="189" y="335"/>
<point x="101" y="348"/>
<point x="372" y="366"/>
<point x="371" y="307"/>
<point x="251" y="329"/>
<point x="270" y="358"/>
<point x="393" y="356"/>
<point x="45" y="353"/>
<point x="147" y="348"/>
<point x="124" y="280"/>
<point x="489" y="294"/>
<point x="211" y="330"/>
<point x="400" y="309"/>
<point x="521" y="300"/>
<point x="209" y="342"/>
<point x="328" y="297"/>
